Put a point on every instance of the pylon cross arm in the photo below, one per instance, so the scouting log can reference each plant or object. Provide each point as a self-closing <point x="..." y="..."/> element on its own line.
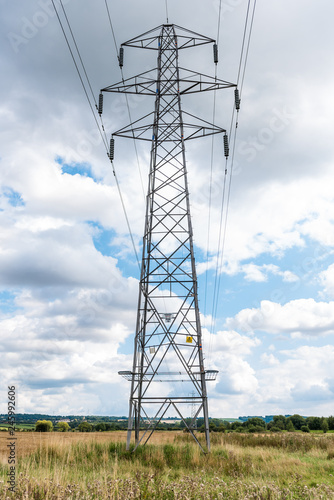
<point x="148" y="39"/>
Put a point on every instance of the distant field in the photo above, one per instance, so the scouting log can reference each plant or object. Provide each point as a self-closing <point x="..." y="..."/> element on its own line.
<point x="18" y="426"/>
<point x="84" y="466"/>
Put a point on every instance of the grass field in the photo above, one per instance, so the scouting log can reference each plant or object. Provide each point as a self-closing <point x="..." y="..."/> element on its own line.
<point x="91" y="466"/>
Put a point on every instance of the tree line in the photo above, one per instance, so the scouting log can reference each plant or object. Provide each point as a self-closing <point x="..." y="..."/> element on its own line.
<point x="279" y="423"/>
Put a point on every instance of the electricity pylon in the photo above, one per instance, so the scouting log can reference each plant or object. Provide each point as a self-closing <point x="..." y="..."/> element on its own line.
<point x="168" y="339"/>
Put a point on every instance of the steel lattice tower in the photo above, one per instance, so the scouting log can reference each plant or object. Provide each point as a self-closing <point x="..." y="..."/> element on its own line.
<point x="168" y="339"/>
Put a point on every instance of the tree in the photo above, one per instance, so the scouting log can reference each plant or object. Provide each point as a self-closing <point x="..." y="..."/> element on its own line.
<point x="256" y="428"/>
<point x="101" y="426"/>
<point x="44" y="426"/>
<point x="297" y="421"/>
<point x="324" y="425"/>
<point x="314" y="423"/>
<point x="289" y="426"/>
<point x="280" y="421"/>
<point x="85" y="427"/>
<point x="330" y="421"/>
<point x="257" y="422"/>
<point x="62" y="427"/>
<point x="236" y="425"/>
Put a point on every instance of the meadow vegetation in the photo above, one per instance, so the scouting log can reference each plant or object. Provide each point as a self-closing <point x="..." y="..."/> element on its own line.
<point x="87" y="466"/>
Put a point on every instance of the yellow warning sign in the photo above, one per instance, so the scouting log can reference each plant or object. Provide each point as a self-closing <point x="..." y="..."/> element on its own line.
<point x="189" y="340"/>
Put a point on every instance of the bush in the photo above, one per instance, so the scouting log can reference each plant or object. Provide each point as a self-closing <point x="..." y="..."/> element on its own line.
<point x="101" y="427"/>
<point x="255" y="421"/>
<point x="85" y="427"/>
<point x="43" y="426"/>
<point x="236" y="425"/>
<point x="62" y="427"/>
<point x="305" y="428"/>
<point x="256" y="428"/>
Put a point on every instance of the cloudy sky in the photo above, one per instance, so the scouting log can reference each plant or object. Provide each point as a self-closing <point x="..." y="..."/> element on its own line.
<point x="68" y="272"/>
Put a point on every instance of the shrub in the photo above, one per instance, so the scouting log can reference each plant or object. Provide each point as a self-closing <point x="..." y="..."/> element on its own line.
<point x="256" y="428"/>
<point x="62" y="427"/>
<point x="275" y="429"/>
<point x="43" y="426"/>
<point x="85" y="427"/>
<point x="305" y="428"/>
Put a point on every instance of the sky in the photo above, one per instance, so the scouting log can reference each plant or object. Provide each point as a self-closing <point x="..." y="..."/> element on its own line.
<point x="68" y="272"/>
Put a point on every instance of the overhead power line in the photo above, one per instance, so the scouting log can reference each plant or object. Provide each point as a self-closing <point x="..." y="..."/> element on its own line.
<point x="211" y="176"/>
<point x="247" y="33"/>
<point x="126" y="97"/>
<point x="79" y="73"/>
<point x="101" y="129"/>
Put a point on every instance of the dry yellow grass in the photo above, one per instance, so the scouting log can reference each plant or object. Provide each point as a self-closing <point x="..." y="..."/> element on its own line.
<point x="80" y="466"/>
<point x="28" y="442"/>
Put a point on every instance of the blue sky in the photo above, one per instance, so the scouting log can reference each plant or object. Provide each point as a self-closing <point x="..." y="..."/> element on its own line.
<point x="68" y="273"/>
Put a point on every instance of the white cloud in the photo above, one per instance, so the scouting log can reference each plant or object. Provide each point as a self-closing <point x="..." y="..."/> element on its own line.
<point x="258" y="273"/>
<point x="254" y="273"/>
<point x="226" y="352"/>
<point x="303" y="317"/>
<point x="294" y="381"/>
<point x="299" y="382"/>
<point x="228" y="342"/>
<point x="327" y="280"/>
<point x="269" y="359"/>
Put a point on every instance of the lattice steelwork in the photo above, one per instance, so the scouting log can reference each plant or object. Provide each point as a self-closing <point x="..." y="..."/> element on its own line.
<point x="168" y="340"/>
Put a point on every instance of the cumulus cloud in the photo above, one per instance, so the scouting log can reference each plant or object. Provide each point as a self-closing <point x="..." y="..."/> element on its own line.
<point x="327" y="280"/>
<point x="258" y="273"/>
<point x="269" y="359"/>
<point x="298" y="318"/>
<point x="299" y="381"/>
<point x="229" y="342"/>
<point x="227" y="351"/>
